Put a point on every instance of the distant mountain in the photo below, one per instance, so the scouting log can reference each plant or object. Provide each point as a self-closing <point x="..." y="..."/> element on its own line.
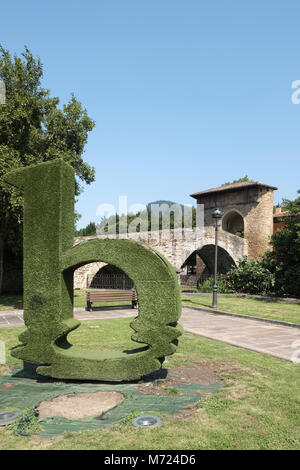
<point x="162" y="201"/>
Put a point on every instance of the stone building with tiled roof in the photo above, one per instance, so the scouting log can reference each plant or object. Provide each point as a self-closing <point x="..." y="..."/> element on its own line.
<point x="247" y="212"/>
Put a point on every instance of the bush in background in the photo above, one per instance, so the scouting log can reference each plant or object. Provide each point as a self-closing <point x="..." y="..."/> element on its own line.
<point x="250" y="277"/>
<point x="223" y="287"/>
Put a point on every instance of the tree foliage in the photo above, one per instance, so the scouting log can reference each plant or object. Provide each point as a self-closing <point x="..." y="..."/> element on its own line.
<point x="89" y="230"/>
<point x="284" y="259"/>
<point x="141" y="221"/>
<point x="33" y="129"/>
<point x="250" y="277"/>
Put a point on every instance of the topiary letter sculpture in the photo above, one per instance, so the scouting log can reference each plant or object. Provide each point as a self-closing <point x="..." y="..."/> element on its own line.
<point x="50" y="260"/>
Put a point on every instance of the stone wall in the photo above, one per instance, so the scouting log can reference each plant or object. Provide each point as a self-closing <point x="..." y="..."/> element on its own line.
<point x="83" y="276"/>
<point x="259" y="224"/>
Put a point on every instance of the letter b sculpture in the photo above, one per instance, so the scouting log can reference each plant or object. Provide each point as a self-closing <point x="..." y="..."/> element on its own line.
<point x="50" y="260"/>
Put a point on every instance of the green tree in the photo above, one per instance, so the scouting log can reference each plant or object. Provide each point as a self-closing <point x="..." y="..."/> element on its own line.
<point x="284" y="259"/>
<point x="34" y="129"/>
<point x="87" y="231"/>
<point x="121" y="223"/>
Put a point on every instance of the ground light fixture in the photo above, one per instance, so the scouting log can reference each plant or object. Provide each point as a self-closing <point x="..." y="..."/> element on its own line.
<point x="217" y="215"/>
<point x="8" y="417"/>
<point x="147" y="421"/>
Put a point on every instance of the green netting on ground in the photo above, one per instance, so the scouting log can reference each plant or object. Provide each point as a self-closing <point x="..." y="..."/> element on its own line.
<point x="22" y="391"/>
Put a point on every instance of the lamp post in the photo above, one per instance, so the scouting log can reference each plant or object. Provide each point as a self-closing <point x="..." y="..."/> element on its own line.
<point x="217" y="214"/>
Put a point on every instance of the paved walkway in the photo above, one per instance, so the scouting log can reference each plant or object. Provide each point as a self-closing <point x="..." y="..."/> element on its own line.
<point x="263" y="337"/>
<point x="15" y="317"/>
<point x="11" y="318"/>
<point x="267" y="338"/>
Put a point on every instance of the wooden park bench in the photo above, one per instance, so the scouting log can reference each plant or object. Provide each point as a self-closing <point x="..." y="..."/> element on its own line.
<point x="113" y="295"/>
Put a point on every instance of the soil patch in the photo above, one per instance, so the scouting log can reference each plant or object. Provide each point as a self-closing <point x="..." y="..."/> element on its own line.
<point x="195" y="373"/>
<point x="81" y="405"/>
<point x="166" y="381"/>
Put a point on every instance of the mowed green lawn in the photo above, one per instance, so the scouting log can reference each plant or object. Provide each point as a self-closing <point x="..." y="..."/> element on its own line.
<point x="251" y="307"/>
<point x="257" y="408"/>
<point x="12" y="302"/>
<point x="256" y="308"/>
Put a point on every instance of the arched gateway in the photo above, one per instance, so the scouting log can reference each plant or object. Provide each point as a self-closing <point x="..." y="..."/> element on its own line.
<point x="207" y="256"/>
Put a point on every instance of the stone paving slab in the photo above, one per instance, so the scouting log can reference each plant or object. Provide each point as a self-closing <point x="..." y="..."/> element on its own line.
<point x="105" y="314"/>
<point x="11" y="318"/>
<point x="276" y="340"/>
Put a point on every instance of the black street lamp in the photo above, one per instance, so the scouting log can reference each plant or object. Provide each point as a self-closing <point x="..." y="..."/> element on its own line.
<point x="217" y="214"/>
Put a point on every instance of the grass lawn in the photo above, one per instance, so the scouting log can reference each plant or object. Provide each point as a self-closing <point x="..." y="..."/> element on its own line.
<point x="12" y="302"/>
<point x="257" y="408"/>
<point x="252" y="307"/>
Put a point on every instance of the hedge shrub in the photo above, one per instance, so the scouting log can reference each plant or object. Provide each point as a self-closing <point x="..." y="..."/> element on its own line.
<point x="250" y="277"/>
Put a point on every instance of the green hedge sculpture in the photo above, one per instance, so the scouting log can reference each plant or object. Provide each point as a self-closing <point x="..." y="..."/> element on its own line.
<point x="50" y="260"/>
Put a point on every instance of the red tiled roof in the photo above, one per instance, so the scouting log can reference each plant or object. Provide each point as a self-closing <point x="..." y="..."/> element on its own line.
<point x="228" y="187"/>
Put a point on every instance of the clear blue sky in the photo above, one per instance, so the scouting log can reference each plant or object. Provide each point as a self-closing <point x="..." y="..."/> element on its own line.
<point x="186" y="94"/>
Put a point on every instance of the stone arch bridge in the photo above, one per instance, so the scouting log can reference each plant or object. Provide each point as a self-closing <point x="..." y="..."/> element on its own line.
<point x="180" y="248"/>
<point x="245" y="229"/>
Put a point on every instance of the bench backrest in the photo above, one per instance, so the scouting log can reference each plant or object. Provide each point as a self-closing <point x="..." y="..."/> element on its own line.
<point x="110" y="295"/>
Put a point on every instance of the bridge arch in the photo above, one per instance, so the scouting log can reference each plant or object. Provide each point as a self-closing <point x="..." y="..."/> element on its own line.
<point x="110" y="277"/>
<point x="207" y="255"/>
